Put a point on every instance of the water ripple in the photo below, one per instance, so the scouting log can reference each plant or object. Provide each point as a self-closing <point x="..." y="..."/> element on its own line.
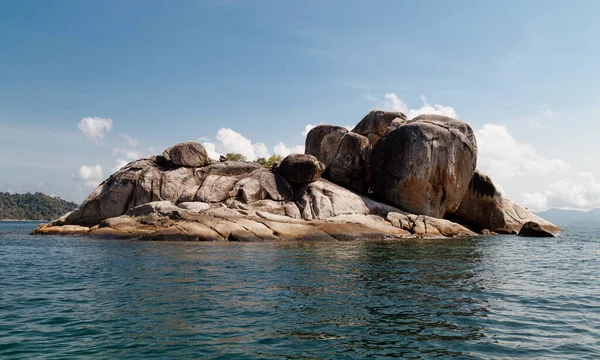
<point x="492" y="297"/>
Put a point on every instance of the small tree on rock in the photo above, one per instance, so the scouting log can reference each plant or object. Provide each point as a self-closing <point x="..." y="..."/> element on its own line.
<point x="235" y="157"/>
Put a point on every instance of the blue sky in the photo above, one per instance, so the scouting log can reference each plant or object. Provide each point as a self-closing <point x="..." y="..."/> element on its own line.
<point x="523" y="74"/>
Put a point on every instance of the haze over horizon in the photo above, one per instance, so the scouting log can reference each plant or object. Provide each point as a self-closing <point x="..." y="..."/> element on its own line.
<point x="89" y="86"/>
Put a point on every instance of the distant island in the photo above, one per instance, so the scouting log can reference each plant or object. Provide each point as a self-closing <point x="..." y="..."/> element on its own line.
<point x="574" y="218"/>
<point x="30" y="206"/>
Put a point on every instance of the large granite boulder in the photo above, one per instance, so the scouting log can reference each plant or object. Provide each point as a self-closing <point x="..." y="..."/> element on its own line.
<point x="190" y="154"/>
<point x="261" y="184"/>
<point x="378" y="123"/>
<point x="481" y="205"/>
<point x="350" y="167"/>
<point x="345" y="155"/>
<point x="323" y="142"/>
<point x="425" y="166"/>
<point x="484" y="207"/>
<point x="301" y="168"/>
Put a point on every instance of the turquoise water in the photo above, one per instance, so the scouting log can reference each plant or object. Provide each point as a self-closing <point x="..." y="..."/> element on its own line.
<point x="490" y="297"/>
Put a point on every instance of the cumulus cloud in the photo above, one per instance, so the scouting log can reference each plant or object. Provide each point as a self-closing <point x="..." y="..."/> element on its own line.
<point x="282" y="150"/>
<point x="534" y="201"/>
<point x="211" y="149"/>
<point x="131" y="141"/>
<point x="94" y="128"/>
<point x="90" y="175"/>
<point x="500" y="155"/>
<point x="229" y="141"/>
<point x="393" y="103"/>
<point x="579" y="191"/>
<point x="507" y="160"/>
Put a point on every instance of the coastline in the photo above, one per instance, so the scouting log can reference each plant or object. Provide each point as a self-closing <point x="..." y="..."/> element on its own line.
<point x="23" y="220"/>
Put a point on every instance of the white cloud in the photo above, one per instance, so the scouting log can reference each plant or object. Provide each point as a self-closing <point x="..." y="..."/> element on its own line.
<point x="393" y="103"/>
<point x="534" y="201"/>
<point x="90" y="175"/>
<point x="500" y="155"/>
<point x="579" y="191"/>
<point x="133" y="142"/>
<point x="307" y="128"/>
<point x="282" y="150"/>
<point x="520" y="165"/>
<point x="229" y="141"/>
<point x="211" y="149"/>
<point x="94" y="128"/>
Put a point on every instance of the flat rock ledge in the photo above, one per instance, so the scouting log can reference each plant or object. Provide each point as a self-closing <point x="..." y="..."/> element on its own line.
<point x="165" y="221"/>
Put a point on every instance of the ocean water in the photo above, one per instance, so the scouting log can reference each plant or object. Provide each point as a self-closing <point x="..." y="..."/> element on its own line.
<point x="487" y="297"/>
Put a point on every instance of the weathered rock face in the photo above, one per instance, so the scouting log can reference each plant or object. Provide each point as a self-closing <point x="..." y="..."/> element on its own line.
<point x="350" y="167"/>
<point x="480" y="207"/>
<point x="323" y="200"/>
<point x="483" y="207"/>
<point x="515" y="216"/>
<point x="427" y="226"/>
<point x="377" y="123"/>
<point x="191" y="154"/>
<point x="323" y="142"/>
<point x="533" y="229"/>
<point x="261" y="205"/>
<point x="425" y="166"/>
<point x="345" y="155"/>
<point x="144" y="181"/>
<point x="260" y="185"/>
<point x="301" y="168"/>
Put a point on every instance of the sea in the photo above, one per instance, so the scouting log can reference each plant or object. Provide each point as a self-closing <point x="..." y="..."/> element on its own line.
<point x="488" y="297"/>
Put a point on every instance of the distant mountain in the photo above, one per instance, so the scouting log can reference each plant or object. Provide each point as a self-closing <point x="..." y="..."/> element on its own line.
<point x="560" y="217"/>
<point x="30" y="206"/>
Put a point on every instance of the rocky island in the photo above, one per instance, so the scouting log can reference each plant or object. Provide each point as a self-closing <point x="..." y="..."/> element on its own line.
<point x="388" y="178"/>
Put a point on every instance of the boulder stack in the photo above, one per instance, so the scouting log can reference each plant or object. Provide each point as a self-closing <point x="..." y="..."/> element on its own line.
<point x="423" y="170"/>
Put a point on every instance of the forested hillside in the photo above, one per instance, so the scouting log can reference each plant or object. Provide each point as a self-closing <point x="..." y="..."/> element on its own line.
<point x="30" y="206"/>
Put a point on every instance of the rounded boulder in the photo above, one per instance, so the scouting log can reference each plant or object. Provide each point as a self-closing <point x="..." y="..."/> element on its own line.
<point x="188" y="154"/>
<point x="378" y="123"/>
<point x="301" y="168"/>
